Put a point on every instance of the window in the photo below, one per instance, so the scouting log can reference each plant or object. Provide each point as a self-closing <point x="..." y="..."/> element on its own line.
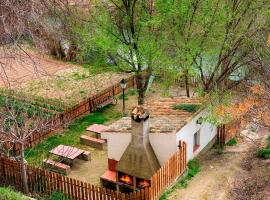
<point x="196" y="141"/>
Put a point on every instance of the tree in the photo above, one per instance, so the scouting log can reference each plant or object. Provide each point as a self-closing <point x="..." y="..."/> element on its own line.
<point x="124" y="31"/>
<point x="213" y="37"/>
<point x="19" y="120"/>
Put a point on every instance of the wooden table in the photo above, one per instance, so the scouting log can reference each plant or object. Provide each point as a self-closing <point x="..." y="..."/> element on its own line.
<point x="97" y="128"/>
<point x="67" y="152"/>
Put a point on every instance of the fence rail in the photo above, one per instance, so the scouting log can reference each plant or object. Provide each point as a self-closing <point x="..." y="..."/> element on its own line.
<point x="169" y="172"/>
<point x="63" y="119"/>
<point x="44" y="182"/>
<point x="225" y="132"/>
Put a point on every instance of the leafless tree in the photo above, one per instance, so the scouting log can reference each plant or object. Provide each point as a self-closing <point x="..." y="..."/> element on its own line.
<point x="19" y="120"/>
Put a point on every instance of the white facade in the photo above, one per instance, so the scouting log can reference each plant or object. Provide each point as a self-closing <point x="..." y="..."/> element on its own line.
<point x="206" y="131"/>
<point x="165" y="144"/>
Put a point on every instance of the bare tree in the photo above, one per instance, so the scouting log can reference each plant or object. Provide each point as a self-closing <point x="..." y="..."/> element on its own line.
<point x="19" y="120"/>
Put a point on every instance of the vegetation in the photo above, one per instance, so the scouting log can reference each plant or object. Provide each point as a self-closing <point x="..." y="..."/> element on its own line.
<point x="192" y="108"/>
<point x="71" y="136"/>
<point x="231" y="142"/>
<point x="265" y="152"/>
<point x="193" y="169"/>
<point x="10" y="194"/>
<point x="58" y="196"/>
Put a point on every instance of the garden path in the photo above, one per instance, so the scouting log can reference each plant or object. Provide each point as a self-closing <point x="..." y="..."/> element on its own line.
<point x="219" y="172"/>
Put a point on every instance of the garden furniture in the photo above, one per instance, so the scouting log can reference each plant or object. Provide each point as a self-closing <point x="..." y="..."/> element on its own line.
<point x="67" y="152"/>
<point x="56" y="166"/>
<point x="92" y="142"/>
<point x="97" y="129"/>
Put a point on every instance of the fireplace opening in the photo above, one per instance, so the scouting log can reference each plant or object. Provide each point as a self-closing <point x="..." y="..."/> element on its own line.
<point x="125" y="179"/>
<point x="142" y="183"/>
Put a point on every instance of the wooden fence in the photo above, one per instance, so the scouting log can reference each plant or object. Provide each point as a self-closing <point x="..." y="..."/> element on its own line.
<point x="169" y="172"/>
<point x="44" y="182"/>
<point x="63" y="119"/>
<point x="225" y="132"/>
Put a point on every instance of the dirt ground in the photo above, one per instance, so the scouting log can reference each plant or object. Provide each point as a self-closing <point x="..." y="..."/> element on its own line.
<point x="19" y="67"/>
<point x="220" y="174"/>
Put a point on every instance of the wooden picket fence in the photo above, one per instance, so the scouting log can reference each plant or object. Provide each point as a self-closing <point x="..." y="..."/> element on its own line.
<point x="169" y="172"/>
<point x="63" y="119"/>
<point x="45" y="182"/>
<point x="225" y="132"/>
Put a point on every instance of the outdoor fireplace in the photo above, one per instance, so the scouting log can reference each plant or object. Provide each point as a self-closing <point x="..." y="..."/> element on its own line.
<point x="125" y="179"/>
<point x="139" y="162"/>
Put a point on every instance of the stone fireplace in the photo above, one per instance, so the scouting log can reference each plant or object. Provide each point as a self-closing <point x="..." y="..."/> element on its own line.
<point x="139" y="162"/>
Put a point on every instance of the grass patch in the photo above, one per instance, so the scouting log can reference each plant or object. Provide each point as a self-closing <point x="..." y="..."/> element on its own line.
<point x="70" y="136"/>
<point x="231" y="142"/>
<point x="58" y="196"/>
<point x="265" y="152"/>
<point x="193" y="169"/>
<point x="10" y="194"/>
<point x="120" y="97"/>
<point x="192" y="108"/>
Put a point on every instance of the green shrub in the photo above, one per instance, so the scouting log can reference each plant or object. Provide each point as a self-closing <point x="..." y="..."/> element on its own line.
<point x="231" y="142"/>
<point x="265" y="152"/>
<point x="132" y="92"/>
<point x="192" y="108"/>
<point x="9" y="194"/>
<point x="58" y="196"/>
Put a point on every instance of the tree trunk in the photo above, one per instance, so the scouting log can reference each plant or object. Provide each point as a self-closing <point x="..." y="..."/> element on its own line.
<point x="140" y="88"/>
<point x="24" y="171"/>
<point x="187" y="84"/>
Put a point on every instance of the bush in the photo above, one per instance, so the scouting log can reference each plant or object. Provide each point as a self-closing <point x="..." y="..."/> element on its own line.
<point x="132" y="92"/>
<point x="58" y="196"/>
<point x="265" y="152"/>
<point x="192" y="108"/>
<point x="231" y="142"/>
<point x="9" y="194"/>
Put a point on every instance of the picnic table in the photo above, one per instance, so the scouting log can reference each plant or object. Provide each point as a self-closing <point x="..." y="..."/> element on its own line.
<point x="67" y="152"/>
<point x="97" y="128"/>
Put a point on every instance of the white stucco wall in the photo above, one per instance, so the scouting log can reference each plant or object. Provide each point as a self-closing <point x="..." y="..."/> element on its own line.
<point x="118" y="142"/>
<point x="207" y="133"/>
<point x="163" y="145"/>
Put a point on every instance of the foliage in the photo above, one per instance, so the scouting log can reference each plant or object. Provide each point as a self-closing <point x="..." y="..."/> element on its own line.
<point x="58" y="196"/>
<point x="211" y="38"/>
<point x="193" y="169"/>
<point x="187" y="107"/>
<point x="265" y="152"/>
<point x="10" y="194"/>
<point x="231" y="142"/>
<point x="71" y="136"/>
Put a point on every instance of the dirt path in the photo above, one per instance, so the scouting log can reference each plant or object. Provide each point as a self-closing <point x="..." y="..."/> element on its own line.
<point x="217" y="175"/>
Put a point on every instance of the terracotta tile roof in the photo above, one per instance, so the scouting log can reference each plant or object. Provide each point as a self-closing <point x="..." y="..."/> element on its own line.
<point x="163" y="118"/>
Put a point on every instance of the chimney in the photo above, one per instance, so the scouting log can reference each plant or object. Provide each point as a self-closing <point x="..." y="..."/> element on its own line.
<point x="139" y="159"/>
<point x="139" y="124"/>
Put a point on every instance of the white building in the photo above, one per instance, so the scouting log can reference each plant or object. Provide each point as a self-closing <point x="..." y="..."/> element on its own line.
<point x="168" y="126"/>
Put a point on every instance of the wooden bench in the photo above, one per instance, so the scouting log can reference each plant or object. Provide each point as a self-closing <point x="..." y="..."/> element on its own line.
<point x="85" y="156"/>
<point x="56" y="166"/>
<point x="111" y="100"/>
<point x="92" y="142"/>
